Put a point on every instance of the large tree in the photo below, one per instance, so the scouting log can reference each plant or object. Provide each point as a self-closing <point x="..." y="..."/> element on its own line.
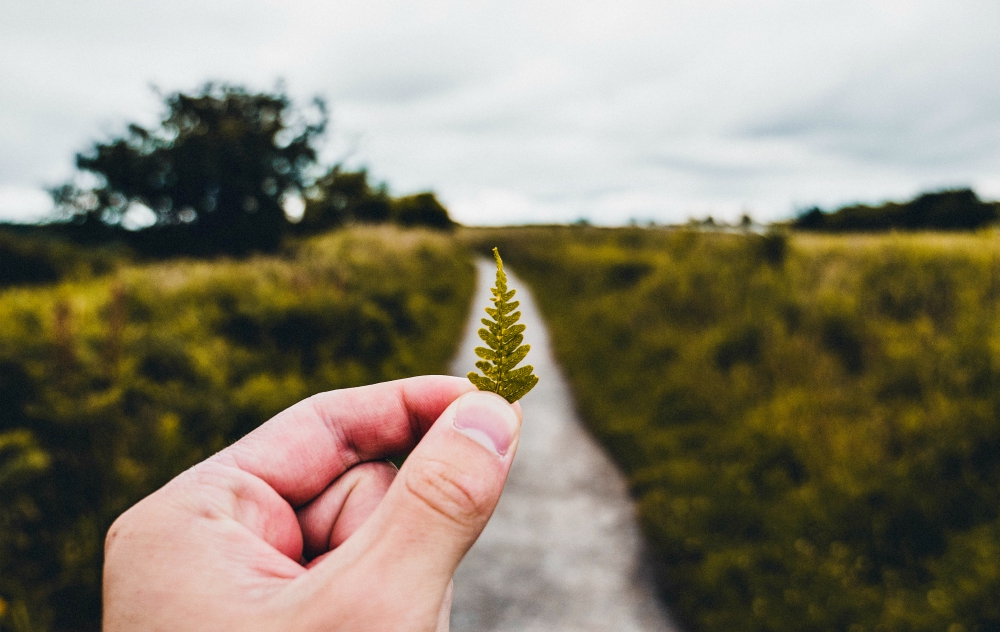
<point x="213" y="173"/>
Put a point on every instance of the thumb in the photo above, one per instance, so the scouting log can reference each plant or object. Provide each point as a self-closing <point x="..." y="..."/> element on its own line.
<point x="432" y="513"/>
<point x="450" y="484"/>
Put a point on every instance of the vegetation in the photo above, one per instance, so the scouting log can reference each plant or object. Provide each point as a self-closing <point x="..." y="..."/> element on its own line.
<point x="112" y="385"/>
<point x="504" y="350"/>
<point x="213" y="174"/>
<point x="956" y="209"/>
<point x="341" y="198"/>
<point x="810" y="424"/>
<point x="119" y="373"/>
<point x="219" y="175"/>
<point x="30" y="258"/>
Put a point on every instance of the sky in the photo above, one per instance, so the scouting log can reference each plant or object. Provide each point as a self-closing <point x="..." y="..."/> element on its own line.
<point x="520" y="111"/>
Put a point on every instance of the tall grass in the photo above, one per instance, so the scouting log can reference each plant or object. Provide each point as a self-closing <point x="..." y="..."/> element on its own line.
<point x="111" y="386"/>
<point x="811" y="425"/>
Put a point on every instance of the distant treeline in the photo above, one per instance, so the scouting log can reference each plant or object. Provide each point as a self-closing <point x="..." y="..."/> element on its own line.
<point x="954" y="209"/>
<point x="226" y="171"/>
<point x="85" y="246"/>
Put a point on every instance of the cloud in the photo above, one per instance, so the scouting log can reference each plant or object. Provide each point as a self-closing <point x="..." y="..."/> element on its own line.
<point x="548" y="110"/>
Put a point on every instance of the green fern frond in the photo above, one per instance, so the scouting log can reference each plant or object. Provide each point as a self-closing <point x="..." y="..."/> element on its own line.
<point x="504" y="349"/>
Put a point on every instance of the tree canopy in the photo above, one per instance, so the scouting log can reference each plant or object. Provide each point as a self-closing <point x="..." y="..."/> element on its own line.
<point x="214" y="176"/>
<point x="219" y="163"/>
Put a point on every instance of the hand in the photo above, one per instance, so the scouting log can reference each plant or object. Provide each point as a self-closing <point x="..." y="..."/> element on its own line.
<point x="301" y="526"/>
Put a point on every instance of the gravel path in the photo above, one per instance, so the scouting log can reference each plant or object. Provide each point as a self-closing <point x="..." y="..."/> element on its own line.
<point x="562" y="551"/>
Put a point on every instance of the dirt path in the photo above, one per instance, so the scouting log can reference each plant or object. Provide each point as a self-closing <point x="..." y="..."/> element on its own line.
<point x="562" y="551"/>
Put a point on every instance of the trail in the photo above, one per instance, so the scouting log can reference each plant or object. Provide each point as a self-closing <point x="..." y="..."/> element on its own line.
<point x="562" y="551"/>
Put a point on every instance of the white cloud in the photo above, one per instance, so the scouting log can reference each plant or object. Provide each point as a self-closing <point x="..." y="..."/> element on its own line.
<point x="548" y="110"/>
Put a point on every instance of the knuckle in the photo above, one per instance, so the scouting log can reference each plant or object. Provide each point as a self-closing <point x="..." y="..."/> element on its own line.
<point x="376" y="470"/>
<point x="119" y="531"/>
<point x="448" y="491"/>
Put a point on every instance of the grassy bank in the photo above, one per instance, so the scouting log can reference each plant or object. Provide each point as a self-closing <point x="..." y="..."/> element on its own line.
<point x="111" y="386"/>
<point x="810" y="425"/>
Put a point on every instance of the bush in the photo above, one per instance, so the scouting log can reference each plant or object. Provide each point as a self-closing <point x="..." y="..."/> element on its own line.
<point x="110" y="387"/>
<point x="422" y="209"/>
<point x="28" y="257"/>
<point x="813" y="445"/>
<point x="342" y="197"/>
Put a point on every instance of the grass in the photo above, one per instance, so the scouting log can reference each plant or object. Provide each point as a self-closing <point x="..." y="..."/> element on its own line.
<point x="810" y="424"/>
<point x="111" y="385"/>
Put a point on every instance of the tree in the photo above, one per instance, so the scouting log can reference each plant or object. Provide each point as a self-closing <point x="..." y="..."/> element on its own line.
<point x="213" y="173"/>
<point x="952" y="209"/>
<point x="342" y="197"/>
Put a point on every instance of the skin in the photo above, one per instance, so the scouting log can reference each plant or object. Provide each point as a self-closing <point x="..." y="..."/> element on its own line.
<point x="302" y="525"/>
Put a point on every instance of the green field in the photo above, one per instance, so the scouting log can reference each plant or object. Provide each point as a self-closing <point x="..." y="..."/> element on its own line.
<point x="111" y="386"/>
<point x="810" y="424"/>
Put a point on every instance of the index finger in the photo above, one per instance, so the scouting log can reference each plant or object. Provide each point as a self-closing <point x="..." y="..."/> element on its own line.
<point x="303" y="449"/>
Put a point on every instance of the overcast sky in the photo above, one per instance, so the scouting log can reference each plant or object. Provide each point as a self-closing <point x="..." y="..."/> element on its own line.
<point x="542" y="110"/>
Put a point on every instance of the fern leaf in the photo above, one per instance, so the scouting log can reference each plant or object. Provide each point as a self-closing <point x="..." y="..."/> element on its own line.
<point x="520" y="389"/>
<point x="522" y="374"/>
<point x="481" y="382"/>
<point x="516" y="356"/>
<point x="504" y="350"/>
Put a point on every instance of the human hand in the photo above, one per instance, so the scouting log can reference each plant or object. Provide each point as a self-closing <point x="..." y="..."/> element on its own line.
<point x="301" y="526"/>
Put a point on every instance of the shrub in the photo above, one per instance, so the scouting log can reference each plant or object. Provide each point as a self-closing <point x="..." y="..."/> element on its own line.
<point x="813" y="446"/>
<point x="28" y="257"/>
<point x="422" y="209"/>
<point x="110" y="387"/>
<point x="344" y="197"/>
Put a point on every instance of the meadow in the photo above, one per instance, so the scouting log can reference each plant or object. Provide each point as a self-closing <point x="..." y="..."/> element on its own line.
<point x="117" y="378"/>
<point x="810" y="424"/>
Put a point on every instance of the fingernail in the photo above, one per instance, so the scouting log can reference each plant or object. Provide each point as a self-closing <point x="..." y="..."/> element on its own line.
<point x="488" y="420"/>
